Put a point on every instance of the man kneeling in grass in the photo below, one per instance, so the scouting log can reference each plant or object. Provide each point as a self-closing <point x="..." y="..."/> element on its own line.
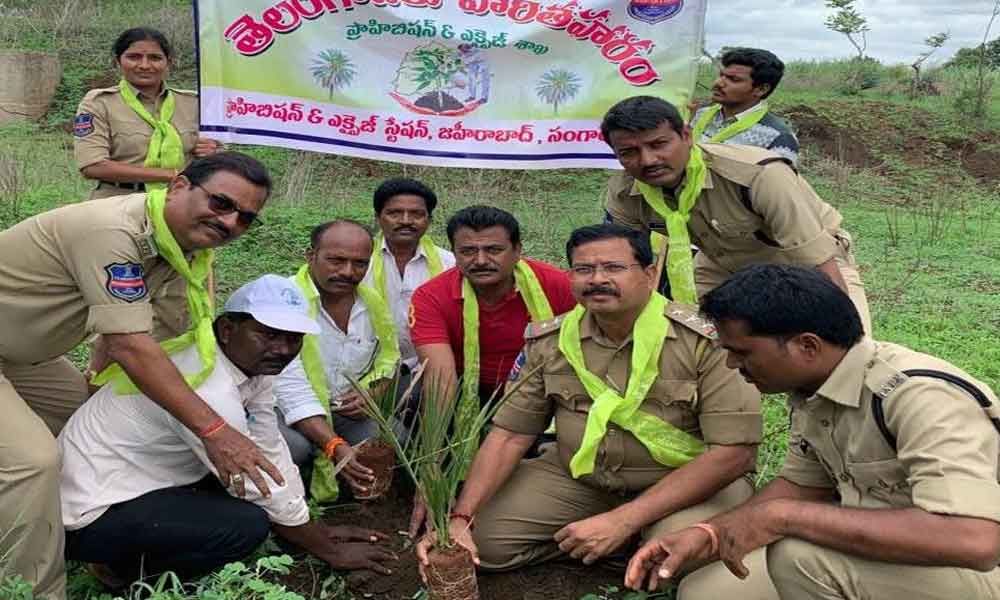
<point x="139" y="496"/>
<point x="889" y="488"/>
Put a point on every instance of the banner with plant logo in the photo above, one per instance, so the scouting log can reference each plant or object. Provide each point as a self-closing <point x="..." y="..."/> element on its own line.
<point x="464" y="83"/>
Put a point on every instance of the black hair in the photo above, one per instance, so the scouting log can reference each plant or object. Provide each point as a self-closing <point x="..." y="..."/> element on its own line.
<point x="403" y="185"/>
<point x="140" y="34"/>
<point x="317" y="233"/>
<point x="247" y="167"/>
<point x="641" y="249"/>
<point x="765" y="67"/>
<point x="785" y="301"/>
<point x="232" y="317"/>
<point x="640" y="113"/>
<point x="480" y="217"/>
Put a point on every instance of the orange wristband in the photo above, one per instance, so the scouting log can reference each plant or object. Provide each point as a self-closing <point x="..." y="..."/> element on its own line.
<point x="713" y="534"/>
<point x="212" y="429"/>
<point x="331" y="446"/>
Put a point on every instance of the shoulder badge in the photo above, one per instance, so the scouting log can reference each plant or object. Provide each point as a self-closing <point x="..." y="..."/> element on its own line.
<point x="882" y="378"/>
<point x="537" y="329"/>
<point x="515" y="369"/>
<point x="126" y="281"/>
<point x="688" y="316"/>
<point x="83" y="124"/>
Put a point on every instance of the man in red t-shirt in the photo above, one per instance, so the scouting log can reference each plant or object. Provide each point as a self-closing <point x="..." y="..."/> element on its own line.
<point x="487" y="246"/>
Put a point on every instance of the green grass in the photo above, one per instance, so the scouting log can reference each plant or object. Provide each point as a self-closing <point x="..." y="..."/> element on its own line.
<point x="926" y="234"/>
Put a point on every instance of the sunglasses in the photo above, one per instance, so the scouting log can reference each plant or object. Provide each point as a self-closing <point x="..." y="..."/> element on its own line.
<point x="223" y="205"/>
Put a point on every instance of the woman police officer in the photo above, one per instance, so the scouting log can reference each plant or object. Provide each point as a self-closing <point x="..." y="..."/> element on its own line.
<point x="141" y="132"/>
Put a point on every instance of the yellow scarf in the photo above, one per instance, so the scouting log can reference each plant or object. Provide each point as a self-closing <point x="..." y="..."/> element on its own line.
<point x="165" y="148"/>
<point x="534" y="298"/>
<point x="666" y="443"/>
<point x="680" y="265"/>
<point x="434" y="263"/>
<point x="744" y="122"/>
<point x="201" y="307"/>
<point x="324" y="482"/>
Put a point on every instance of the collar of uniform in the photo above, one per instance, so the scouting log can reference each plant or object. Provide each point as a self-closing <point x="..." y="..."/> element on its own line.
<point x="759" y="106"/>
<point x="155" y="101"/>
<point x="590" y="329"/>
<point x="845" y="383"/>
<point x="419" y="255"/>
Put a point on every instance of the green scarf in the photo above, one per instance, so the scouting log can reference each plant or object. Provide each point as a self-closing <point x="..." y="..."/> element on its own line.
<point x="434" y="264"/>
<point x="201" y="307"/>
<point x="165" y="148"/>
<point x="680" y="265"/>
<point x="667" y="444"/>
<point x="324" y="482"/>
<point x="741" y="124"/>
<point x="534" y="298"/>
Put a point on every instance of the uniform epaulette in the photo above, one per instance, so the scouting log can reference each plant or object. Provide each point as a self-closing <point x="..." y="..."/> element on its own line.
<point x="184" y="92"/>
<point x="98" y="91"/>
<point x="537" y="329"/>
<point x="740" y="164"/>
<point x="882" y="378"/>
<point x="688" y="316"/>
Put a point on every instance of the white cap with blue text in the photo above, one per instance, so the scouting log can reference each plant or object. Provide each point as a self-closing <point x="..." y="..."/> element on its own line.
<point x="273" y="301"/>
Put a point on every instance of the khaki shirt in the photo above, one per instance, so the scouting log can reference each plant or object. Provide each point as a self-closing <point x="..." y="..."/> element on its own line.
<point x="84" y="269"/>
<point x="789" y="223"/>
<point x="946" y="459"/>
<point x="695" y="392"/>
<point x="105" y="128"/>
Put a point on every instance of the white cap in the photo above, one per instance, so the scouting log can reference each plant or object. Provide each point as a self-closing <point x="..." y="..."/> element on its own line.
<point x="273" y="301"/>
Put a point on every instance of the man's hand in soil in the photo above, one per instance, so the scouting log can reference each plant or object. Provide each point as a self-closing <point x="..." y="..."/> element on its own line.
<point x="663" y="557"/>
<point x="232" y="453"/>
<point x="352" y="405"/>
<point x="459" y="531"/>
<point x="350" y="533"/>
<point x="358" y="476"/>
<point x="594" y="538"/>
<point x="354" y="556"/>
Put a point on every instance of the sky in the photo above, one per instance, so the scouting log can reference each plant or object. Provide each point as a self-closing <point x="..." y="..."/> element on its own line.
<point x="793" y="29"/>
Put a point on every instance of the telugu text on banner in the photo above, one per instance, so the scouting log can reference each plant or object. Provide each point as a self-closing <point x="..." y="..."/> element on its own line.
<point x="464" y="83"/>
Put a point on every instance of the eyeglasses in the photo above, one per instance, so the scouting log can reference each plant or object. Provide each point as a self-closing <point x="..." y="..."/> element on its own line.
<point x="223" y="205"/>
<point x="610" y="269"/>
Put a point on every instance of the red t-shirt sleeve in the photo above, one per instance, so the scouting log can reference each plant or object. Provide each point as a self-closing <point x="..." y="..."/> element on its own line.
<point x="428" y="321"/>
<point x="556" y="285"/>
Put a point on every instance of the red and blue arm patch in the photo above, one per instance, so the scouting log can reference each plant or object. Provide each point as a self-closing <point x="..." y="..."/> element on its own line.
<point x="126" y="281"/>
<point x="515" y="369"/>
<point x="83" y="124"/>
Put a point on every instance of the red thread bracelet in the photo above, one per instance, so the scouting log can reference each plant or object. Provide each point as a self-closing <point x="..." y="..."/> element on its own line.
<point x="464" y="517"/>
<point x="212" y="429"/>
<point x="331" y="446"/>
<point x="712" y="534"/>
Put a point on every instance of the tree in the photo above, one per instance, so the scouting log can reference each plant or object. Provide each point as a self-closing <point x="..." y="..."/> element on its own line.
<point x="969" y="57"/>
<point x="333" y="70"/>
<point x="933" y="43"/>
<point x="848" y="21"/>
<point x="557" y="86"/>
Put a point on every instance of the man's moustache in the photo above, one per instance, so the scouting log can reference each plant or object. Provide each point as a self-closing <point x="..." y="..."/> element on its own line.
<point x="600" y="290"/>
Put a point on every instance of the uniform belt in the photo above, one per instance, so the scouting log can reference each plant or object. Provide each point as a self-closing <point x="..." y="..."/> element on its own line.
<point x="136" y="186"/>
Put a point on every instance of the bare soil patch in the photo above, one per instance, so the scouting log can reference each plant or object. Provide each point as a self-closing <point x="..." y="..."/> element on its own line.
<point x="564" y="580"/>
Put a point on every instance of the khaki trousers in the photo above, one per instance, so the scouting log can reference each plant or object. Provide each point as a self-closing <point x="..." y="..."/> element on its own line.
<point x="801" y="569"/>
<point x="35" y="401"/>
<point x="515" y="528"/>
<point x="709" y="275"/>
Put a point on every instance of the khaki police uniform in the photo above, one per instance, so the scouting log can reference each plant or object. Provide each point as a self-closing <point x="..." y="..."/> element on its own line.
<point x="748" y="213"/>
<point x="105" y="128"/>
<point x="945" y="461"/>
<point x="694" y="391"/>
<point x="73" y="272"/>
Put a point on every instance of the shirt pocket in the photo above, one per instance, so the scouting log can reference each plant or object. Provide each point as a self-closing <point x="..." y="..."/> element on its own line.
<point x="567" y="391"/>
<point x="129" y="140"/>
<point x="359" y="356"/>
<point x="739" y="227"/>
<point x="674" y="401"/>
<point x="881" y="483"/>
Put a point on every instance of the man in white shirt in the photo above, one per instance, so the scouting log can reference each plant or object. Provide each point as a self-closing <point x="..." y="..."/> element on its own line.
<point x="405" y="256"/>
<point x="138" y="493"/>
<point x="350" y="347"/>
